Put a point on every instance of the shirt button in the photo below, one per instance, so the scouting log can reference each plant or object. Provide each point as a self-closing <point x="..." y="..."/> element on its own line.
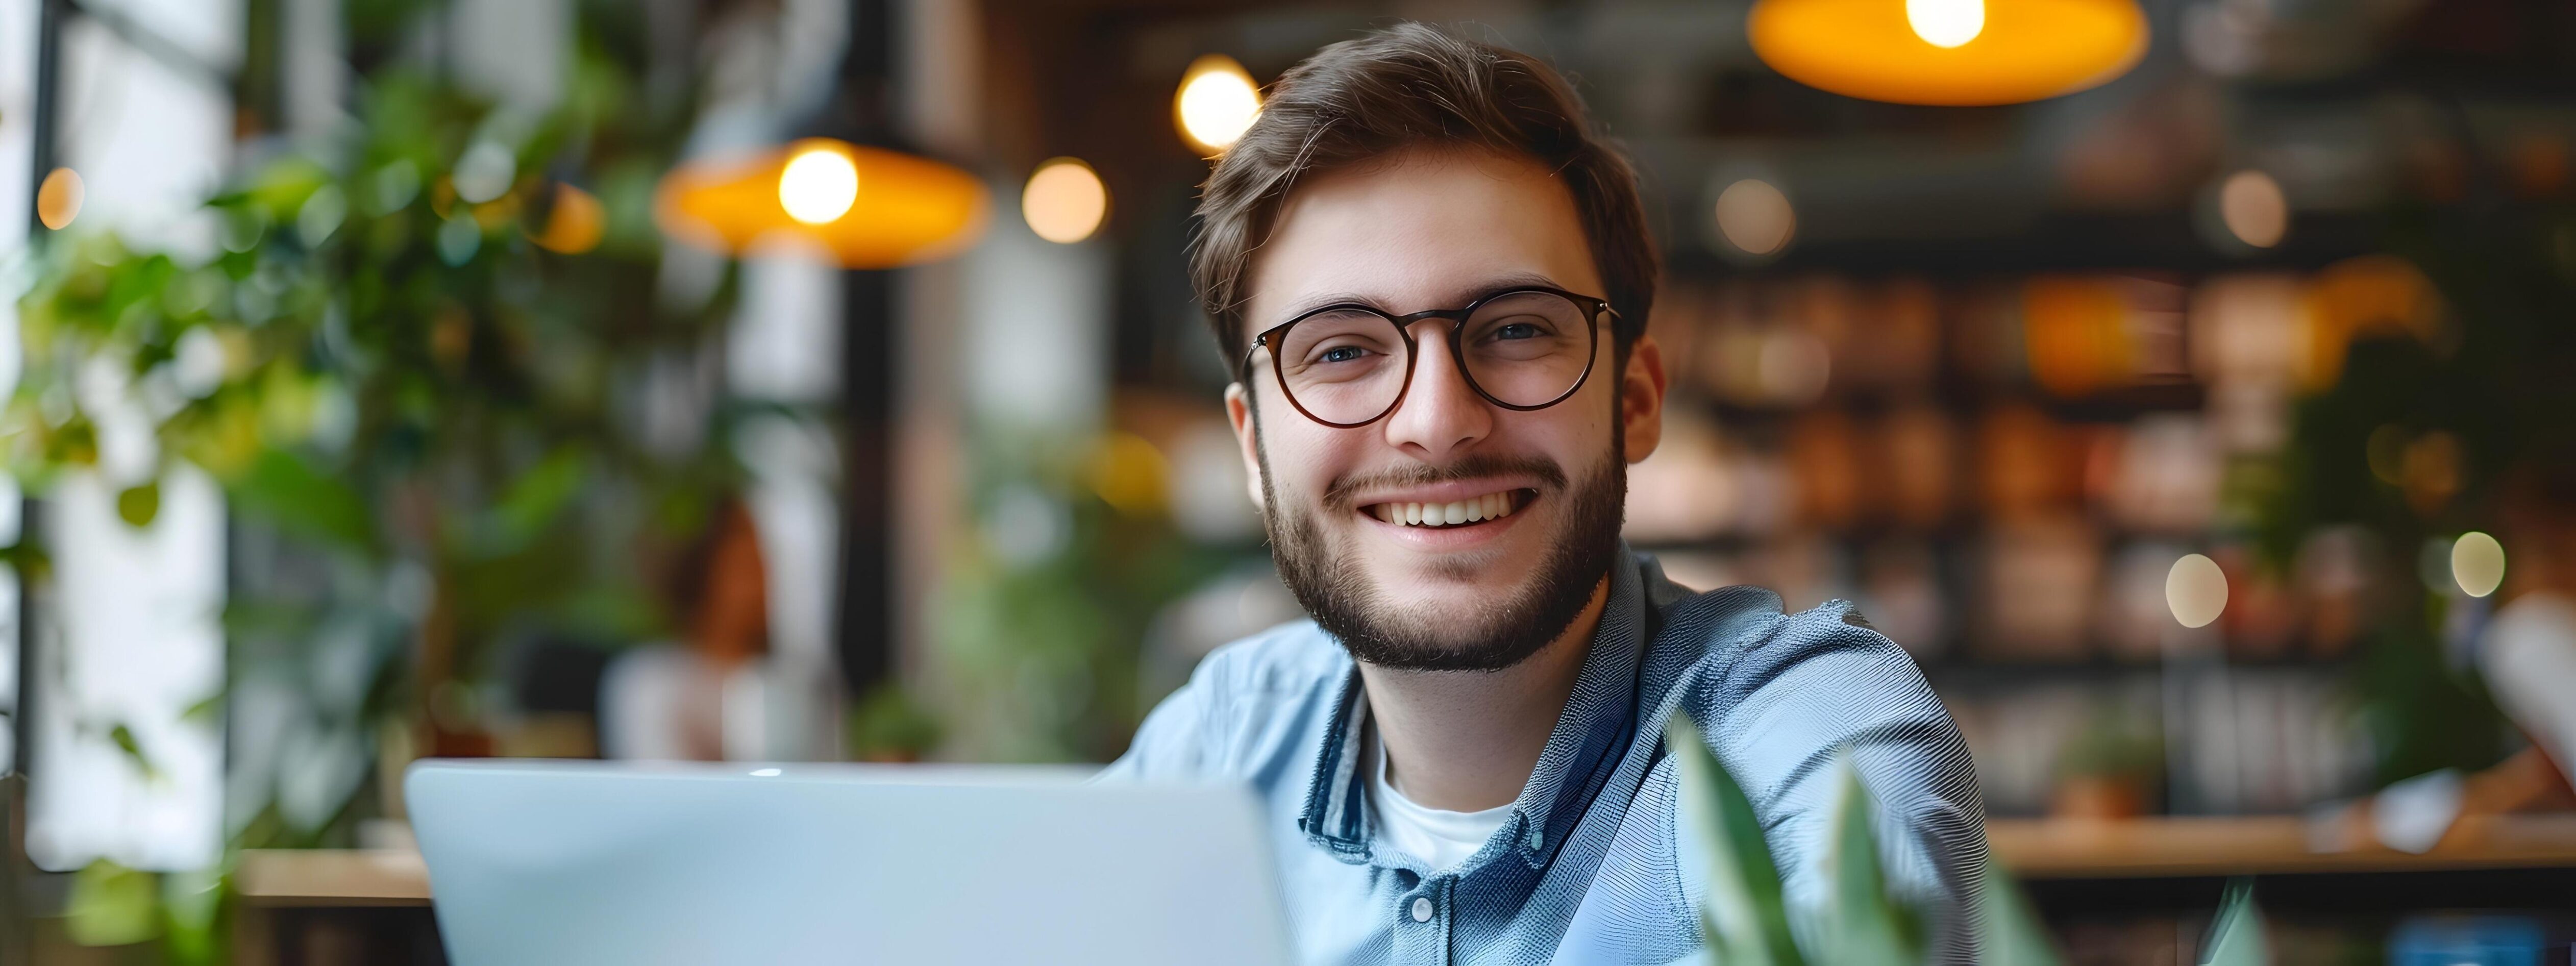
<point x="1422" y="909"/>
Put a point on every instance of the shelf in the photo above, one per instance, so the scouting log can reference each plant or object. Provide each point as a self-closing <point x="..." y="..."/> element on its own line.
<point x="2268" y="845"/>
<point x="332" y="877"/>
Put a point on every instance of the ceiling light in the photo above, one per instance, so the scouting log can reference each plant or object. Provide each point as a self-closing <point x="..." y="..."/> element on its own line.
<point x="1946" y="23"/>
<point x="1216" y="104"/>
<point x="1064" y="201"/>
<point x="818" y="185"/>
<point x="1949" y="52"/>
<point x="866" y="207"/>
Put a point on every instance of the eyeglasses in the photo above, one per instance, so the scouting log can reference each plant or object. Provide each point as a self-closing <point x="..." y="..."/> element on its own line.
<point x="1347" y="365"/>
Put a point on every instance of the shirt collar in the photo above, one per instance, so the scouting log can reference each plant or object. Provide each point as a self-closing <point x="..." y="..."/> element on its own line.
<point x="1581" y="751"/>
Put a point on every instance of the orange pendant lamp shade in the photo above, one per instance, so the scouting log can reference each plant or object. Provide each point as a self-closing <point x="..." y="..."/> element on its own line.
<point x="1949" y="53"/>
<point x="869" y="207"/>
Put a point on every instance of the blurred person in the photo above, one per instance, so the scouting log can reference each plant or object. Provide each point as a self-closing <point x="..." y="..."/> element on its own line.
<point x="699" y="698"/>
<point x="2526" y="653"/>
<point x="2528" y="650"/>
<point x="1434" y="278"/>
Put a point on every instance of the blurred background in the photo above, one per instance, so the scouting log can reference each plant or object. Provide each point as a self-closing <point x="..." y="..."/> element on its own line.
<point x="2184" y="383"/>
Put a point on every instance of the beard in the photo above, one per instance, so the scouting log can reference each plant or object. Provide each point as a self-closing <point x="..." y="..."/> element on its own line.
<point x="1329" y="582"/>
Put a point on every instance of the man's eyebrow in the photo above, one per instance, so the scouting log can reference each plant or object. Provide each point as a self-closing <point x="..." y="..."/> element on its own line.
<point x="1311" y="303"/>
<point x="1498" y="283"/>
<point x="1513" y="280"/>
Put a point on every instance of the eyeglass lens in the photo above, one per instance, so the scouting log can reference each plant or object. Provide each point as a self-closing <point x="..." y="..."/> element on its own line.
<point x="1521" y="349"/>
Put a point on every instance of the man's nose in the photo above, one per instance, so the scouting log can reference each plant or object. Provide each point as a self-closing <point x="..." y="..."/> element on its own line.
<point x="1440" y="416"/>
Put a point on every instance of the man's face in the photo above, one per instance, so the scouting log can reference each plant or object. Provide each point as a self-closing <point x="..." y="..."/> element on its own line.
<point x="1437" y="230"/>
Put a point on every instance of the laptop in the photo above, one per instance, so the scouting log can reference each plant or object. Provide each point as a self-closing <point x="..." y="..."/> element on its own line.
<point x="564" y="862"/>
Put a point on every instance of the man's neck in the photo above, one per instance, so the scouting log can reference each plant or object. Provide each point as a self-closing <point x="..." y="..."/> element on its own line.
<point x="1465" y="741"/>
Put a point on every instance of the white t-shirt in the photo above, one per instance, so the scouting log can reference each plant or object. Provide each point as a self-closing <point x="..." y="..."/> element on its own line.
<point x="2530" y="665"/>
<point x="1442" y="838"/>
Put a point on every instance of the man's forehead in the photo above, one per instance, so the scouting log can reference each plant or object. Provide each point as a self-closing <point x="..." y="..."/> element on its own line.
<point x="1422" y="230"/>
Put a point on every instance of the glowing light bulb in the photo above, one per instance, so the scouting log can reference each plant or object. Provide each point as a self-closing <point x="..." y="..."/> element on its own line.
<point x="1217" y="102"/>
<point x="2196" y="590"/>
<point x="2477" y="563"/>
<point x="818" y="186"/>
<point x="1064" y="201"/>
<point x="1946" y="23"/>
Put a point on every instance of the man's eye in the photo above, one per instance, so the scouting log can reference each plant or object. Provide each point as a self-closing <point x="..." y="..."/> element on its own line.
<point x="1341" y="353"/>
<point x="1517" y="330"/>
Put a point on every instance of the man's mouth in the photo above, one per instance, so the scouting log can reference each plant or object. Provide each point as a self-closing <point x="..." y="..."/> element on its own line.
<point x="1474" y="509"/>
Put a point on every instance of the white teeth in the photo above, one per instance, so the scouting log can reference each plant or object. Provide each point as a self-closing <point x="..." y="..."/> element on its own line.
<point x="1490" y="506"/>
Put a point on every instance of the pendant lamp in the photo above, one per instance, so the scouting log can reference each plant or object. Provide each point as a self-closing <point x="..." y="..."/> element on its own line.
<point x="868" y="207"/>
<point x="1950" y="53"/>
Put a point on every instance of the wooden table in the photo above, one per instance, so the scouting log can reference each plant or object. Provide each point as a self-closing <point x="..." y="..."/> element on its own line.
<point x="321" y="907"/>
<point x="373" y="906"/>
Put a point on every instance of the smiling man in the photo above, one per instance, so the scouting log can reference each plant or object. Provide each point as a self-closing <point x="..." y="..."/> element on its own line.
<point x="1432" y="278"/>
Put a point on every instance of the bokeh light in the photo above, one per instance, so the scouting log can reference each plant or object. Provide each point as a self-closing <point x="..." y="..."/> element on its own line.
<point x="58" y="200"/>
<point x="2253" y="208"/>
<point x="1064" y="201"/>
<point x="819" y="185"/>
<point x="574" y="225"/>
<point x="1755" y="217"/>
<point x="2196" y="590"/>
<point x="2477" y="563"/>
<point x="1217" y="102"/>
<point x="1946" y="23"/>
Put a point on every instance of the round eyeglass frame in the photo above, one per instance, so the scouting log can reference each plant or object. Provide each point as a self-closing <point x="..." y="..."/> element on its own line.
<point x="1592" y="308"/>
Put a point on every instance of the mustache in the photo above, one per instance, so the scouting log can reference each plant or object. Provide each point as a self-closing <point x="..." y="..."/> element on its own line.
<point x="1338" y="496"/>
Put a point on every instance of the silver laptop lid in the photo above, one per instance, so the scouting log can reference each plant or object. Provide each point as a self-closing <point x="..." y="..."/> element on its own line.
<point x="593" y="862"/>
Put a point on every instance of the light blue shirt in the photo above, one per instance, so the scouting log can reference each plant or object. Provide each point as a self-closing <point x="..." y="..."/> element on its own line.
<point x="1586" y="869"/>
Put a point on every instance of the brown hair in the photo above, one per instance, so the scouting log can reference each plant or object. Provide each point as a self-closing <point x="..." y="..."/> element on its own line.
<point x="1400" y="87"/>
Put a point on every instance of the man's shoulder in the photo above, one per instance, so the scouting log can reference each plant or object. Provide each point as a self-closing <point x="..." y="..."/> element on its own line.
<point x="1246" y="710"/>
<point x="1745" y="636"/>
<point x="1294" y="659"/>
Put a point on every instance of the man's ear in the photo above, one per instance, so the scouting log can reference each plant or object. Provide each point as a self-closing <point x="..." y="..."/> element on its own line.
<point x="1641" y="398"/>
<point x="1238" y="411"/>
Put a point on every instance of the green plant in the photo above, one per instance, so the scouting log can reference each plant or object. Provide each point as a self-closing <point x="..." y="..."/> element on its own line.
<point x="1859" y="923"/>
<point x="424" y="421"/>
<point x="1048" y="604"/>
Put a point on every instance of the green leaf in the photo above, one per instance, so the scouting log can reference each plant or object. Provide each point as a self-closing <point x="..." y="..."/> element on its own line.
<point x="2010" y="934"/>
<point x="111" y="905"/>
<point x="125" y="742"/>
<point x="138" y="506"/>
<point x="283" y="489"/>
<point x="1862" y="924"/>
<point x="207" y="711"/>
<point x="2236" y="935"/>
<point x="1742" y="913"/>
<point x="533" y="500"/>
<point x="192" y="904"/>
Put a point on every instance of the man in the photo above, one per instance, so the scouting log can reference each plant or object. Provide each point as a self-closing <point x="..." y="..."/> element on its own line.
<point x="1434" y="279"/>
